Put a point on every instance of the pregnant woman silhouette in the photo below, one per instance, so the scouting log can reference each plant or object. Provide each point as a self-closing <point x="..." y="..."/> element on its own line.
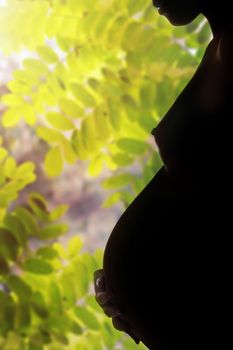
<point x="167" y="269"/>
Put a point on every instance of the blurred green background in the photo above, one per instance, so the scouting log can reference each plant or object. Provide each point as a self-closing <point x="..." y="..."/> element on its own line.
<point x="82" y="84"/>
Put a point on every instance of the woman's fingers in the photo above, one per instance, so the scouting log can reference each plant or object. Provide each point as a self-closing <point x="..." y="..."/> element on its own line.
<point x="111" y="310"/>
<point x="103" y="298"/>
<point x="99" y="281"/>
<point x="106" y="301"/>
<point x="119" y="324"/>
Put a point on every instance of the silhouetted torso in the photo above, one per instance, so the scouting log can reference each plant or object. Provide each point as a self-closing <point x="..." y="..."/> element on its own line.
<point x="175" y="232"/>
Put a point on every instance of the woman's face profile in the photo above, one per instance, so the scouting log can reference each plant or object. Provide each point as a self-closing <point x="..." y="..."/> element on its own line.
<point x="179" y="12"/>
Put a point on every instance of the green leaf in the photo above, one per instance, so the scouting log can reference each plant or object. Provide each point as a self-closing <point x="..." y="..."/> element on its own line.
<point x="10" y="167"/>
<point x="65" y="43"/>
<point x="92" y="304"/>
<point x="53" y="231"/>
<point x="96" y="166"/>
<point x="108" y="333"/>
<point x="28" y="221"/>
<point x="123" y="196"/>
<point x="111" y="200"/>
<point x="60" y="250"/>
<point x="13" y="341"/>
<point x="59" y="121"/>
<point x="131" y="35"/>
<point x="116" y="181"/>
<point x="68" y="282"/>
<point x="47" y="54"/>
<point x="75" y="244"/>
<point x="81" y="273"/>
<point x="76" y="328"/>
<point x="114" y="114"/>
<point x="39" y="200"/>
<point x="90" y="263"/>
<point x="136" y="6"/>
<point x="54" y="162"/>
<point x="3" y="153"/>
<point x="87" y="317"/>
<point x="138" y="184"/>
<point x="25" y="170"/>
<point x="35" y="66"/>
<point x="39" y="305"/>
<point x="148" y="174"/>
<point x="38" y="266"/>
<point x="60" y="337"/>
<point x="71" y="108"/>
<point x="14" y="225"/>
<point x="115" y="32"/>
<point x="51" y="136"/>
<point x="11" y="100"/>
<point x="129" y="344"/>
<point x="101" y="124"/>
<point x="47" y="253"/>
<point x="36" y="341"/>
<point x="20" y="287"/>
<point x="8" y="313"/>
<point x="4" y="266"/>
<point x="8" y="245"/>
<point x="131" y="107"/>
<point x="68" y="152"/>
<point x="87" y="133"/>
<point x="2" y="182"/>
<point x="94" y="341"/>
<point x="204" y="36"/>
<point x="22" y="317"/>
<point x="10" y="118"/>
<point x="39" y="207"/>
<point x="122" y="159"/>
<point x="98" y="255"/>
<point x="77" y="145"/>
<point x="132" y="146"/>
<point x="55" y="297"/>
<point x="58" y="212"/>
<point x="148" y="96"/>
<point x="24" y="76"/>
<point x="83" y="96"/>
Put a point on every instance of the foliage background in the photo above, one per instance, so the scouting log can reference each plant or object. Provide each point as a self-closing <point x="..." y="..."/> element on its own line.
<point x="94" y="78"/>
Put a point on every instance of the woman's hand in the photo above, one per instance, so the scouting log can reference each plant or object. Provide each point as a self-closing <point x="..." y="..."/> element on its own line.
<point x="106" y="301"/>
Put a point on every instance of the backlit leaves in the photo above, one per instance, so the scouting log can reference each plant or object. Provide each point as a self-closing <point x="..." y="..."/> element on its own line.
<point x="54" y="162"/>
<point x="97" y="78"/>
<point x="13" y="178"/>
<point x="103" y="62"/>
<point x="48" y="288"/>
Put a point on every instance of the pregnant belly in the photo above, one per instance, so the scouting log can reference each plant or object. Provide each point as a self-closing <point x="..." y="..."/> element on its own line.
<point x="162" y="261"/>
<point x="141" y="244"/>
<point x="145" y="263"/>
